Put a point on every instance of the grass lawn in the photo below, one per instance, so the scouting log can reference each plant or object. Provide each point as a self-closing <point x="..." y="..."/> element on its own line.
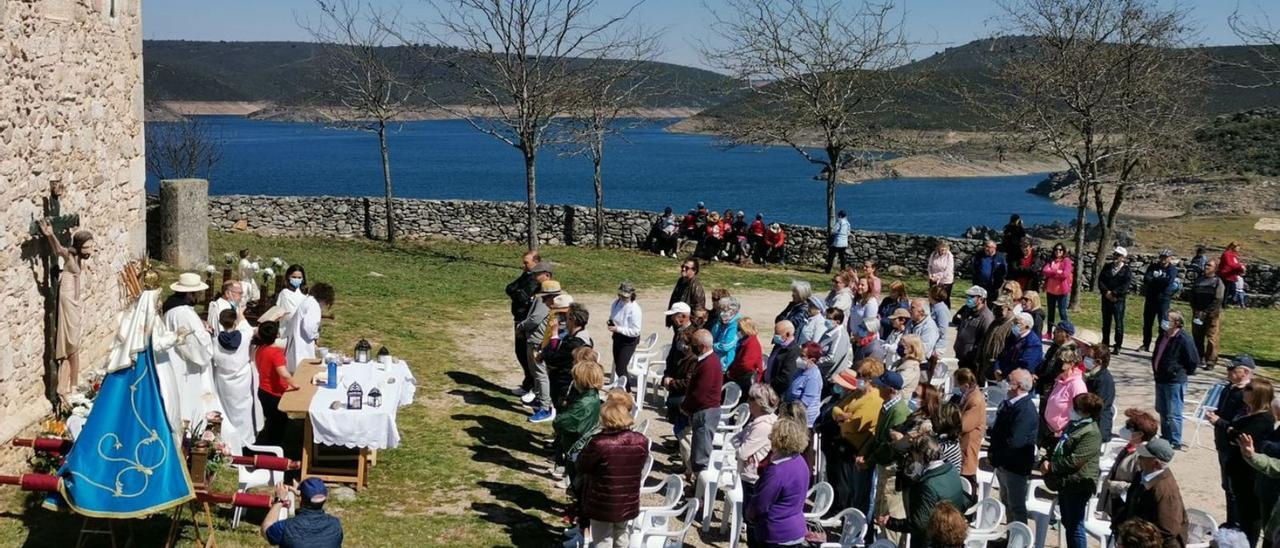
<point x="453" y="480"/>
<point x="1183" y="234"/>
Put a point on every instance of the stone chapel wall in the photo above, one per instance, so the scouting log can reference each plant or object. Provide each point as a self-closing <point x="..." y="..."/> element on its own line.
<point x="71" y="113"/>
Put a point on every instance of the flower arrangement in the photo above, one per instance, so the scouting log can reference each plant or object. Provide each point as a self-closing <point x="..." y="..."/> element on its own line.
<point x="208" y="453"/>
<point x="268" y="273"/>
<point x="230" y="258"/>
<point x="48" y="463"/>
<point x="277" y="262"/>
<point x="211" y="269"/>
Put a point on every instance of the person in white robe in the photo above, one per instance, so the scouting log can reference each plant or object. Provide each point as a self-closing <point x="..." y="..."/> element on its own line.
<point x="303" y="328"/>
<point x="249" y="279"/>
<point x="295" y="290"/>
<point x="234" y="379"/>
<point x="232" y="296"/>
<point x="191" y="358"/>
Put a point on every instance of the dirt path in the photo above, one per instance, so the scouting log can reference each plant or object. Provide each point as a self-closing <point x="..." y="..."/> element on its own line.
<point x="1196" y="469"/>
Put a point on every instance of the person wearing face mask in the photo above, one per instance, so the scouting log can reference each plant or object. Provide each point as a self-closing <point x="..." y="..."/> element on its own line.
<point x="1022" y="350"/>
<point x="1174" y="359"/>
<point x="1013" y="445"/>
<point x="1071" y="468"/>
<point x="806" y="385"/>
<point x="898" y="324"/>
<point x="1159" y="285"/>
<point x="1063" y="334"/>
<point x="971" y="322"/>
<point x="1230" y="407"/>
<point x="1098" y="379"/>
<point x="229" y="298"/>
<point x="781" y="365"/>
<point x="1057" y="404"/>
<point x="747" y="368"/>
<point x="933" y="481"/>
<point x="994" y="339"/>
<point x="1113" y="284"/>
<point x="910" y="357"/>
<point x="853" y="422"/>
<point x="922" y="324"/>
<point x="973" y="423"/>
<point x="814" y="325"/>
<point x="1258" y="423"/>
<point x="295" y="289"/>
<point x="1156" y="498"/>
<point x="878" y="452"/>
<point x="834" y="341"/>
<point x="724" y="330"/>
<point x="1140" y="427"/>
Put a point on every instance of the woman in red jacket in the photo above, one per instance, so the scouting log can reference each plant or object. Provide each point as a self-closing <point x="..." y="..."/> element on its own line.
<point x="609" y="470"/>
<point x="748" y="362"/>
<point x="1230" y="269"/>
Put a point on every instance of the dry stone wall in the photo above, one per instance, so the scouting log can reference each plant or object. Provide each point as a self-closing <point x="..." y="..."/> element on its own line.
<point x="499" y="222"/>
<point x="71" y="115"/>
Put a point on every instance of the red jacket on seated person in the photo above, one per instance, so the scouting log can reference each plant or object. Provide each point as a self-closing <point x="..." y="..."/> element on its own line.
<point x="609" y="467"/>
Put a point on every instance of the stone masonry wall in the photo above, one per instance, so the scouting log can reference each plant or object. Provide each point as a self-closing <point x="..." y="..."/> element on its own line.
<point x="70" y="113"/>
<point x="494" y="222"/>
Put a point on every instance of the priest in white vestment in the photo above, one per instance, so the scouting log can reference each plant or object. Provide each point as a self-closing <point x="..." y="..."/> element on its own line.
<point x="232" y="297"/>
<point x="191" y="358"/>
<point x="303" y="328"/>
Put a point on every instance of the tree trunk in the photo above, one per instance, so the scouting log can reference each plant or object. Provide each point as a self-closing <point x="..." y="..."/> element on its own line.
<point x="386" y="179"/>
<point x="833" y="178"/>
<point x="1082" y="207"/>
<point x="597" y="157"/>
<point x="1108" y="227"/>
<point x="531" y="188"/>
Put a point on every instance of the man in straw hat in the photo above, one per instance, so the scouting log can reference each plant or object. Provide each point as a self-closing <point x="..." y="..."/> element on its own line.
<point x="192" y="357"/>
<point x="534" y="328"/>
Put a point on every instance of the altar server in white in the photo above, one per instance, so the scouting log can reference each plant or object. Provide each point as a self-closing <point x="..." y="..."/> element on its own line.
<point x="303" y="329"/>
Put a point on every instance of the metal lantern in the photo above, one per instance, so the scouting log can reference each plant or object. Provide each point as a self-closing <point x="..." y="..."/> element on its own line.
<point x="384" y="352"/>
<point x="363" y="348"/>
<point x="355" y="396"/>
<point x="375" y="397"/>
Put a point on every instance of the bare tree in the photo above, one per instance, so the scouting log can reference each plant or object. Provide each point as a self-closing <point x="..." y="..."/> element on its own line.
<point x="1264" y="37"/>
<point x="1105" y="85"/>
<point x="609" y="96"/>
<point x="526" y="63"/>
<point x="819" y="76"/>
<point x="182" y="149"/>
<point x="365" y="90"/>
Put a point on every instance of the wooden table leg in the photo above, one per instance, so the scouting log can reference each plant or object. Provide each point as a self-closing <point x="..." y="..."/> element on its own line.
<point x="362" y="469"/>
<point x="208" y="519"/>
<point x="307" y="448"/>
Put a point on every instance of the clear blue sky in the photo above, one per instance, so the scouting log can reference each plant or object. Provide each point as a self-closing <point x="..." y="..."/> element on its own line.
<point x="938" y="23"/>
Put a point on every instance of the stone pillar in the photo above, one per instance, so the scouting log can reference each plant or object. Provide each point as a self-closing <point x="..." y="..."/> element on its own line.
<point x="184" y="222"/>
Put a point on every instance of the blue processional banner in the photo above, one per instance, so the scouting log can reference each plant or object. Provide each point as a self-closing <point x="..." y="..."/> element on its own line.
<point x="125" y="463"/>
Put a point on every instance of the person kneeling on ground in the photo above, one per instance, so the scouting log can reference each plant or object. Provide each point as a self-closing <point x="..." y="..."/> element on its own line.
<point x="311" y="527"/>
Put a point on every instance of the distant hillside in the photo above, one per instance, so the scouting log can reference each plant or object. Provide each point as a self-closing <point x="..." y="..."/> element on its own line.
<point x="934" y="105"/>
<point x="291" y="73"/>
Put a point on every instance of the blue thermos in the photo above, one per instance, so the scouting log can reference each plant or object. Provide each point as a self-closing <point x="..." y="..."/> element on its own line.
<point x="332" y="381"/>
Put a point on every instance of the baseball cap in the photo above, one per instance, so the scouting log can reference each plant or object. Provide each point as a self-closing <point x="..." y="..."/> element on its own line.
<point x="1067" y="327"/>
<point x="1121" y="251"/>
<point x="890" y="379"/>
<point x="679" y="308"/>
<point x="313" y="490"/>
<point x="1243" y="360"/>
<point x="1158" y="449"/>
<point x="541" y="267"/>
<point x="976" y="291"/>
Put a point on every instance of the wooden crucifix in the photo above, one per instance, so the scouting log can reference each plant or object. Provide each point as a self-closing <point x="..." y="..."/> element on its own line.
<point x="62" y="287"/>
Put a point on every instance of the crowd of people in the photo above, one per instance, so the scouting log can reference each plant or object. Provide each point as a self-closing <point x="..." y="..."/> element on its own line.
<point x="728" y="237"/>
<point x="851" y="392"/>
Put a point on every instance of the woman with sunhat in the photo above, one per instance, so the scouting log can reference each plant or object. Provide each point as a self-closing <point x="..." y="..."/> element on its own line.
<point x="851" y="423"/>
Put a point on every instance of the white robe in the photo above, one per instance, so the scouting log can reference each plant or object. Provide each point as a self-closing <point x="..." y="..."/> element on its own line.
<point x="215" y="311"/>
<point x="190" y="364"/>
<point x="139" y="327"/>
<point x="249" y="280"/>
<point x="302" y="331"/>
<point x="289" y="300"/>
<point x="234" y="379"/>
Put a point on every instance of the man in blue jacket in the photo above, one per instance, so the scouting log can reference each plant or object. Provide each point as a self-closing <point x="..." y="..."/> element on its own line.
<point x="1159" y="285"/>
<point x="1175" y="357"/>
<point x="839" y="241"/>
<point x="989" y="268"/>
<point x="1013" y="444"/>
<point x="1022" y="350"/>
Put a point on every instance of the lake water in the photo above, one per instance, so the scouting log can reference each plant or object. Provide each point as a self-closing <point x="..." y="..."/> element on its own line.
<point x="647" y="168"/>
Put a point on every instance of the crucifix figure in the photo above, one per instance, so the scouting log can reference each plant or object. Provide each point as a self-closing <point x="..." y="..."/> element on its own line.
<point x="68" y="281"/>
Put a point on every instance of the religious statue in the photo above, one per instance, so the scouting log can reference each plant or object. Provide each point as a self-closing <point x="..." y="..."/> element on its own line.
<point x="248" y="274"/>
<point x="70" y="323"/>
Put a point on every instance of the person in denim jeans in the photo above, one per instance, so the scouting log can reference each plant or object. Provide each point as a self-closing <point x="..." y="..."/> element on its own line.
<point x="1174" y="358"/>
<point x="1071" y="468"/>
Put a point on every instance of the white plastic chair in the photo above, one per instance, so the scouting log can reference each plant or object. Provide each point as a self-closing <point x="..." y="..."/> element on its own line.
<point x="657" y="366"/>
<point x="730" y="425"/>
<point x="1110" y="451"/>
<point x="986" y="478"/>
<point x="1096" y="527"/>
<point x="883" y="543"/>
<point x="1019" y="535"/>
<point x="729" y="396"/>
<point x="708" y="481"/>
<point x="639" y="368"/>
<point x="1200" y="528"/>
<point x="251" y="478"/>
<point x="853" y="529"/>
<point x="643" y="427"/>
<point x="1041" y="510"/>
<point x="655" y="534"/>
<point x="672" y="489"/>
<point x="819" y="500"/>
<point x="648" y="344"/>
<point x="1208" y="402"/>
<point x="988" y="515"/>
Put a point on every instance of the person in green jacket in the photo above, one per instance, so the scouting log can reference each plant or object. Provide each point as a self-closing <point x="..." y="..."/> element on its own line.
<point x="878" y="452"/>
<point x="581" y="416"/>
<point x="933" y="481"/>
<point x="1072" y="467"/>
<point x="1267" y="466"/>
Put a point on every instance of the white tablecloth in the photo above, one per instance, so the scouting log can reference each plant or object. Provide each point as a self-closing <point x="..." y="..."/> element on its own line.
<point x="369" y="427"/>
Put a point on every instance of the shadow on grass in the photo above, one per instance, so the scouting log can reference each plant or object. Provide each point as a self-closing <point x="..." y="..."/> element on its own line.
<point x="431" y="252"/>
<point x="49" y="528"/>
<point x="495" y="433"/>
<point x="525" y="529"/>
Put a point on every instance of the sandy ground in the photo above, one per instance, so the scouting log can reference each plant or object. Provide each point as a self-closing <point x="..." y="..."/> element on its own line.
<point x="934" y="165"/>
<point x="1196" y="468"/>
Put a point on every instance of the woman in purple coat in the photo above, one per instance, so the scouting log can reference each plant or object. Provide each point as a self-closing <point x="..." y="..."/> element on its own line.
<point x="777" y="509"/>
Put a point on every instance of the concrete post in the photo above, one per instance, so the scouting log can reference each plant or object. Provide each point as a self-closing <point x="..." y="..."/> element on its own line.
<point x="184" y="222"/>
